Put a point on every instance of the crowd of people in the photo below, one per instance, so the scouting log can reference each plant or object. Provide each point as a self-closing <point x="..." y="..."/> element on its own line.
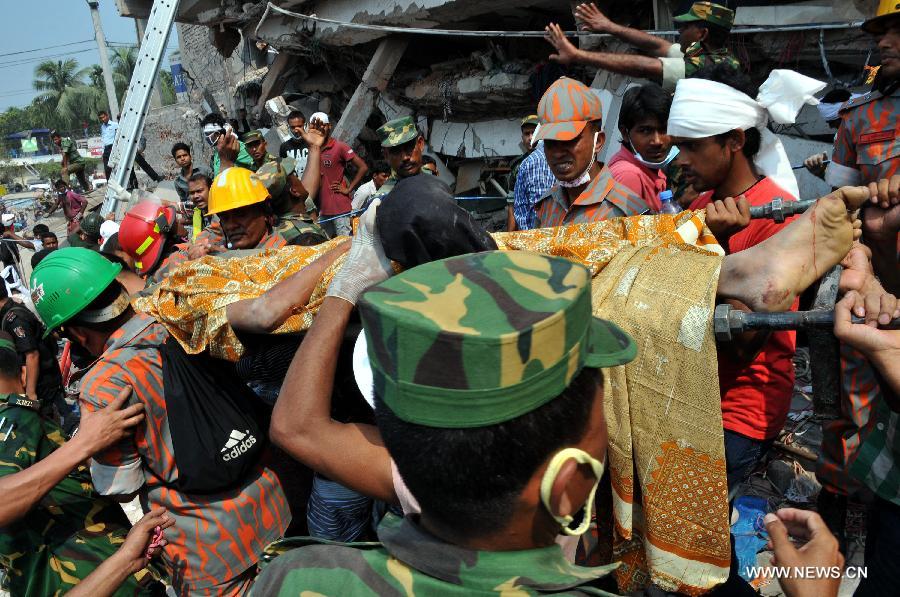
<point x="460" y="412"/>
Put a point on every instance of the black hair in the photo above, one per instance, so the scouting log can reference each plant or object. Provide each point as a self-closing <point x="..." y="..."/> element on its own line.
<point x="48" y="234"/>
<point x="213" y="118"/>
<point x="295" y="114"/>
<point x="39" y="229"/>
<point x="109" y="252"/>
<point x="4" y="291"/>
<point x="180" y="147"/>
<point x="99" y="112"/>
<point x="59" y="182"/>
<point x="197" y="176"/>
<point x="427" y="159"/>
<point x="716" y="36"/>
<point x="643" y="101"/>
<point x="381" y="167"/>
<point x="39" y="256"/>
<point x="726" y="75"/>
<point x="836" y="96"/>
<point x="54" y="133"/>
<point x="469" y="479"/>
<point x="10" y="360"/>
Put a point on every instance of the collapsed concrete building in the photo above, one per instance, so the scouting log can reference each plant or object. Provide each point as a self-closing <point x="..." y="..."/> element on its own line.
<point x="468" y="93"/>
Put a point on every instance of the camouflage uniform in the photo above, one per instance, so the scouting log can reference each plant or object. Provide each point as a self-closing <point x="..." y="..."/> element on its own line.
<point x="71" y="530"/>
<point x="465" y="342"/>
<point x="296" y="229"/>
<point x="682" y="63"/>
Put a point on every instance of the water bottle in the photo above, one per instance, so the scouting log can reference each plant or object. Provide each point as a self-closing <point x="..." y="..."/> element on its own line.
<point x="669" y="205"/>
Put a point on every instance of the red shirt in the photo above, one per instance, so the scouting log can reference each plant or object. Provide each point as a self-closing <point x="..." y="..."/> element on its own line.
<point x="646" y="182"/>
<point x="335" y="156"/>
<point x="756" y="398"/>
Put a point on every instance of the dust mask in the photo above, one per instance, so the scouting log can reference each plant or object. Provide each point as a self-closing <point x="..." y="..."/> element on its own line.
<point x="550" y="475"/>
<point x="586" y="175"/>
<point x="673" y="153"/>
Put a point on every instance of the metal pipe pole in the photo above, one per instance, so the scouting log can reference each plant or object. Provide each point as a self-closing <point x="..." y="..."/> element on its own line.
<point x="94" y="5"/>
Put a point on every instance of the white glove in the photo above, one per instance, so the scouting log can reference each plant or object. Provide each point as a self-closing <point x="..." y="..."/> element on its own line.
<point x="366" y="264"/>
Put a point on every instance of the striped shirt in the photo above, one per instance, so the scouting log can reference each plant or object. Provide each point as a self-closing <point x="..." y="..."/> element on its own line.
<point x="532" y="182"/>
<point x="603" y="199"/>
<point x="215" y="538"/>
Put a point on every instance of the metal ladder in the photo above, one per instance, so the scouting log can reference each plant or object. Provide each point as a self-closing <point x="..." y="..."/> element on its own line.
<point x="131" y="123"/>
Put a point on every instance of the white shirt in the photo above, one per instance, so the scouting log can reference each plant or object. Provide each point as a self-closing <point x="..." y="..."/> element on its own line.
<point x="362" y="195"/>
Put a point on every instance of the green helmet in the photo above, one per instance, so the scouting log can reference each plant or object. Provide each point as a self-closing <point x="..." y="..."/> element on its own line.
<point x="91" y="224"/>
<point x="67" y="281"/>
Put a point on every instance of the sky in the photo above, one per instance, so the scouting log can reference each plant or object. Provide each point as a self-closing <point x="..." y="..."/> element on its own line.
<point x="38" y="25"/>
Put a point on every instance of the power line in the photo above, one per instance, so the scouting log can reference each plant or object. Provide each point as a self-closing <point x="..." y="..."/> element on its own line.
<point x="74" y="43"/>
<point x="48" y="57"/>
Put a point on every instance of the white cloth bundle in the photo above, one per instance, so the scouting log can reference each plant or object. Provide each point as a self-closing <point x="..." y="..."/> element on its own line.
<point x="703" y="108"/>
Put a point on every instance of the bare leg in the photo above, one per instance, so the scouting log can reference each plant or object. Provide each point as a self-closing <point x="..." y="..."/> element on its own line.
<point x="769" y="276"/>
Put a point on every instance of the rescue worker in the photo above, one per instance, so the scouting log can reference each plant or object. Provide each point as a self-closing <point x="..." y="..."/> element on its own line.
<point x="860" y="449"/>
<point x="56" y="528"/>
<point x="148" y="234"/>
<point x="88" y="233"/>
<point x="43" y="381"/>
<point x="572" y="132"/>
<point x="703" y="34"/>
<point x="241" y="202"/>
<point x="402" y="145"/>
<point x="75" y="291"/>
<point x="288" y="198"/>
<point x="258" y="149"/>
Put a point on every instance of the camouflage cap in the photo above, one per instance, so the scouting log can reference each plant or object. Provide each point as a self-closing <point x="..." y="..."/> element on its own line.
<point x="398" y="131"/>
<point x="483" y="338"/>
<point x="253" y="136"/>
<point x="532" y="119"/>
<point x="712" y="13"/>
<point x="566" y="107"/>
<point x="274" y="175"/>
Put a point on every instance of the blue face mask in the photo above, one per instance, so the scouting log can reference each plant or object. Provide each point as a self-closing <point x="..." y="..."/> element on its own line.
<point x="673" y="153"/>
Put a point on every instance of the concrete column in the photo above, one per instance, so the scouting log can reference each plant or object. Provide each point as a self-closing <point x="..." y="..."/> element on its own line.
<point x="104" y="59"/>
<point x="374" y="81"/>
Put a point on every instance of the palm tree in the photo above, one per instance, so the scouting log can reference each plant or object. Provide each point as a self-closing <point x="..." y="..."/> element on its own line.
<point x="95" y="76"/>
<point x="65" y="100"/>
<point x="123" y="62"/>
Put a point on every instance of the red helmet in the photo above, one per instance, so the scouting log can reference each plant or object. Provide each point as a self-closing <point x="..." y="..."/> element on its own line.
<point x="144" y="231"/>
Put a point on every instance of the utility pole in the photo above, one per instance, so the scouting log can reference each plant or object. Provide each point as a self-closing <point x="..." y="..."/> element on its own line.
<point x="104" y="60"/>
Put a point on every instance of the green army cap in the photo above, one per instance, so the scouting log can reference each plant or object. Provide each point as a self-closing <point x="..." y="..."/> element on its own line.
<point x="253" y="136"/>
<point x="712" y="13"/>
<point x="274" y="174"/>
<point x="476" y="340"/>
<point x="397" y="131"/>
<point x="533" y="120"/>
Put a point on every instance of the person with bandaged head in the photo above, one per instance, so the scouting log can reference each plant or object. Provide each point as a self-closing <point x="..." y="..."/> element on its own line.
<point x="734" y="161"/>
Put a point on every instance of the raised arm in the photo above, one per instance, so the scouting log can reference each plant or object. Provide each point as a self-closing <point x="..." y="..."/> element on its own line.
<point x="594" y="20"/>
<point x="633" y="65"/>
<point x="314" y="137"/>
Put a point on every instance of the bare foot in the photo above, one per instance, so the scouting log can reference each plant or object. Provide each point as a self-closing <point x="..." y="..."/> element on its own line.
<point x="769" y="276"/>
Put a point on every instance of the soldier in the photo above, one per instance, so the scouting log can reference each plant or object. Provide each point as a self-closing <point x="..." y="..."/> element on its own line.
<point x="56" y="528"/>
<point x="703" y="33"/>
<point x="571" y="128"/>
<point x="288" y="197"/>
<point x="455" y="425"/>
<point x="72" y="162"/>
<point x="88" y="233"/>
<point x="217" y="538"/>
<point x="258" y="149"/>
<point x="402" y="145"/>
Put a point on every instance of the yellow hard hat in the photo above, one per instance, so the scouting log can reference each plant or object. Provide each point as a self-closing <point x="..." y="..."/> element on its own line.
<point x="233" y="188"/>
<point x="887" y="9"/>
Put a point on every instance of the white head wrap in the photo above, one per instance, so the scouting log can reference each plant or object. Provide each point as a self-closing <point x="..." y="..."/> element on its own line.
<point x="703" y="108"/>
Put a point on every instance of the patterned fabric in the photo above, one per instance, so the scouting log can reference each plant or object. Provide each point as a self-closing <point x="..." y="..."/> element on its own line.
<point x="398" y="131"/>
<point x="479" y="339"/>
<point x="565" y="108"/>
<point x="533" y="181"/>
<point x="70" y="531"/>
<point x="876" y="461"/>
<point x="696" y="56"/>
<point x="273" y="173"/>
<point x="410" y="561"/>
<point x="70" y="150"/>
<point x="335" y="512"/>
<point x="715" y="14"/>
<point x="662" y="413"/>
<point x="842" y="437"/>
<point x="215" y="538"/>
<point x="297" y="231"/>
<point x="867" y="144"/>
<point x="603" y="199"/>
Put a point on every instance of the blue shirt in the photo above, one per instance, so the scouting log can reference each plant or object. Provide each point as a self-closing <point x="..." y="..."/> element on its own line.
<point x="532" y="183"/>
<point x="108" y="132"/>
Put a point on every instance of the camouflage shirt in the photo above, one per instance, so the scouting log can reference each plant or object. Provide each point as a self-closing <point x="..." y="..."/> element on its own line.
<point x="696" y="56"/>
<point x="297" y="231"/>
<point x="70" y="531"/>
<point x="410" y="561"/>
